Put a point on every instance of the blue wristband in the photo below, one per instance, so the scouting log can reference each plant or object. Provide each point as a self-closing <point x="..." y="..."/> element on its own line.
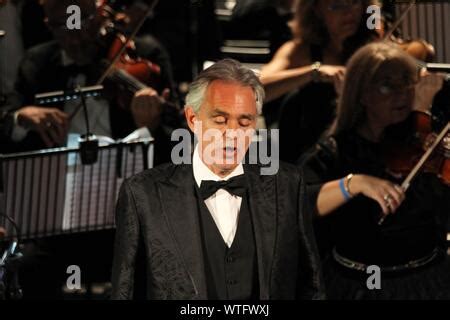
<point x="346" y="195"/>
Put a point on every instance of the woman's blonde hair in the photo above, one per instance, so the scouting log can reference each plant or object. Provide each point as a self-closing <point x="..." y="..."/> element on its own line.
<point x="361" y="71"/>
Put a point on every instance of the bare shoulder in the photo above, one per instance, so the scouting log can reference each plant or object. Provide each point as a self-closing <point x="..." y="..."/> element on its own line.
<point x="292" y="54"/>
<point x="300" y="54"/>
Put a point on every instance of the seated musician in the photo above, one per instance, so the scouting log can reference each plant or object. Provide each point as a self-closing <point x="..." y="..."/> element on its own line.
<point x="327" y="32"/>
<point x="375" y="116"/>
<point x="75" y="58"/>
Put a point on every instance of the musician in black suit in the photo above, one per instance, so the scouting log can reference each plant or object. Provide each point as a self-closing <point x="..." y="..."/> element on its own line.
<point x="76" y="57"/>
<point x="218" y="228"/>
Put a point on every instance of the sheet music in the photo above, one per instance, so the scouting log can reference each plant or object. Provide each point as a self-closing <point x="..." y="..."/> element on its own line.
<point x="84" y="184"/>
<point x="93" y="189"/>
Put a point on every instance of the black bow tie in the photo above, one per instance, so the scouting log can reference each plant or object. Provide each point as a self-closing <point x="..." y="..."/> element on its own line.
<point x="236" y="186"/>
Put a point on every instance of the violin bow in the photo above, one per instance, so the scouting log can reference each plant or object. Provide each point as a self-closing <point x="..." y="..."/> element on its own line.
<point x="121" y="51"/>
<point x="407" y="182"/>
<point x="125" y="44"/>
<point x="399" y="20"/>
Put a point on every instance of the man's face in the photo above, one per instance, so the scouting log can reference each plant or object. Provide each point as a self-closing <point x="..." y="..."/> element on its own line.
<point x="224" y="125"/>
<point x="80" y="45"/>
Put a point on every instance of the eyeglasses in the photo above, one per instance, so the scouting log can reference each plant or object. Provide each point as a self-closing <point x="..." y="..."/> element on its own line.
<point x="343" y="5"/>
<point x="62" y="27"/>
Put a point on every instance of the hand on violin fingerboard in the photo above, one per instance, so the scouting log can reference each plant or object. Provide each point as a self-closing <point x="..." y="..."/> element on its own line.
<point x="146" y="107"/>
<point x="429" y="84"/>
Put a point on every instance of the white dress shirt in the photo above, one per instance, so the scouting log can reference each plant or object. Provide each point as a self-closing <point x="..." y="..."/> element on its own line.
<point x="223" y="206"/>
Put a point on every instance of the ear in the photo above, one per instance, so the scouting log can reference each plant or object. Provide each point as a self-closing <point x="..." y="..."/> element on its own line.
<point x="191" y="117"/>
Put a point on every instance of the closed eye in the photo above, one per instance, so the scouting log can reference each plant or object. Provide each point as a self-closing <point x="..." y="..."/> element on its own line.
<point x="245" y="122"/>
<point x="220" y="120"/>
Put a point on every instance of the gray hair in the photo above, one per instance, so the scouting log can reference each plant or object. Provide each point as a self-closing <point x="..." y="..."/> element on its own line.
<point x="226" y="70"/>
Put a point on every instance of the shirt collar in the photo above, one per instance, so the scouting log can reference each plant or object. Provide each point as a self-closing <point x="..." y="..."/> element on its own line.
<point x="202" y="172"/>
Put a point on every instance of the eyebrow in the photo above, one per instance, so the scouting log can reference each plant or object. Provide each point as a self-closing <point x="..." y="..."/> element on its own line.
<point x="217" y="112"/>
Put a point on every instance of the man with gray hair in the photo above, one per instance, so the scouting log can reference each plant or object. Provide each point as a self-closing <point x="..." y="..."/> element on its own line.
<point x="217" y="228"/>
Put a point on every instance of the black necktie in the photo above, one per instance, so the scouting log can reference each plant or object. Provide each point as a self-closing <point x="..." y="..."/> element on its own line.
<point x="236" y="186"/>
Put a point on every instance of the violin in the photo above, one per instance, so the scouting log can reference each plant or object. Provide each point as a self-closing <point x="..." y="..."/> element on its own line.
<point x="130" y="73"/>
<point x="125" y="66"/>
<point x="401" y="158"/>
<point x="420" y="49"/>
<point x="125" y="71"/>
<point x="430" y="152"/>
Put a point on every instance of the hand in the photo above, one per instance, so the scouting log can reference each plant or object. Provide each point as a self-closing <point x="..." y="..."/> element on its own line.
<point x="51" y="124"/>
<point x="388" y="195"/>
<point x="146" y="107"/>
<point x="429" y="84"/>
<point x="333" y="74"/>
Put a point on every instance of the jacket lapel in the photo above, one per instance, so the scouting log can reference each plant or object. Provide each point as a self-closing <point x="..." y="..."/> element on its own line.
<point x="262" y="201"/>
<point x="181" y="208"/>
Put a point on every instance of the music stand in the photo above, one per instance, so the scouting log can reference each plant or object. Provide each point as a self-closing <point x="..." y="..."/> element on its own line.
<point x="50" y="192"/>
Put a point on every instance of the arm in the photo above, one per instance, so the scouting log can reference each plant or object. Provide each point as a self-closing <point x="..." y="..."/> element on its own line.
<point x="291" y="69"/>
<point x="50" y="123"/>
<point x="125" y="246"/>
<point x="331" y="196"/>
<point x="322" y="165"/>
<point x="149" y="107"/>
<point x="279" y="77"/>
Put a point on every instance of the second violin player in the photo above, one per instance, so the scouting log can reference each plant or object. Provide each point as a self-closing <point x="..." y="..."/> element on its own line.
<point x="75" y="58"/>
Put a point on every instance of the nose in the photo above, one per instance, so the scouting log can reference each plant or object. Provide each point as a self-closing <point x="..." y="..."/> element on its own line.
<point x="234" y="125"/>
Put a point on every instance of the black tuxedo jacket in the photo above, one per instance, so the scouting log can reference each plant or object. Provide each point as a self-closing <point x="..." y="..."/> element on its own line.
<point x="157" y="212"/>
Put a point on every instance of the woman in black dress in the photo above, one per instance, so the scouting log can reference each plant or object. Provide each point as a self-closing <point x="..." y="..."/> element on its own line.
<point x="410" y="246"/>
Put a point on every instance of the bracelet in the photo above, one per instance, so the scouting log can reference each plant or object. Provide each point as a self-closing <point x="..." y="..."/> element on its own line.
<point x="345" y="193"/>
<point x="347" y="185"/>
<point x="316" y="71"/>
